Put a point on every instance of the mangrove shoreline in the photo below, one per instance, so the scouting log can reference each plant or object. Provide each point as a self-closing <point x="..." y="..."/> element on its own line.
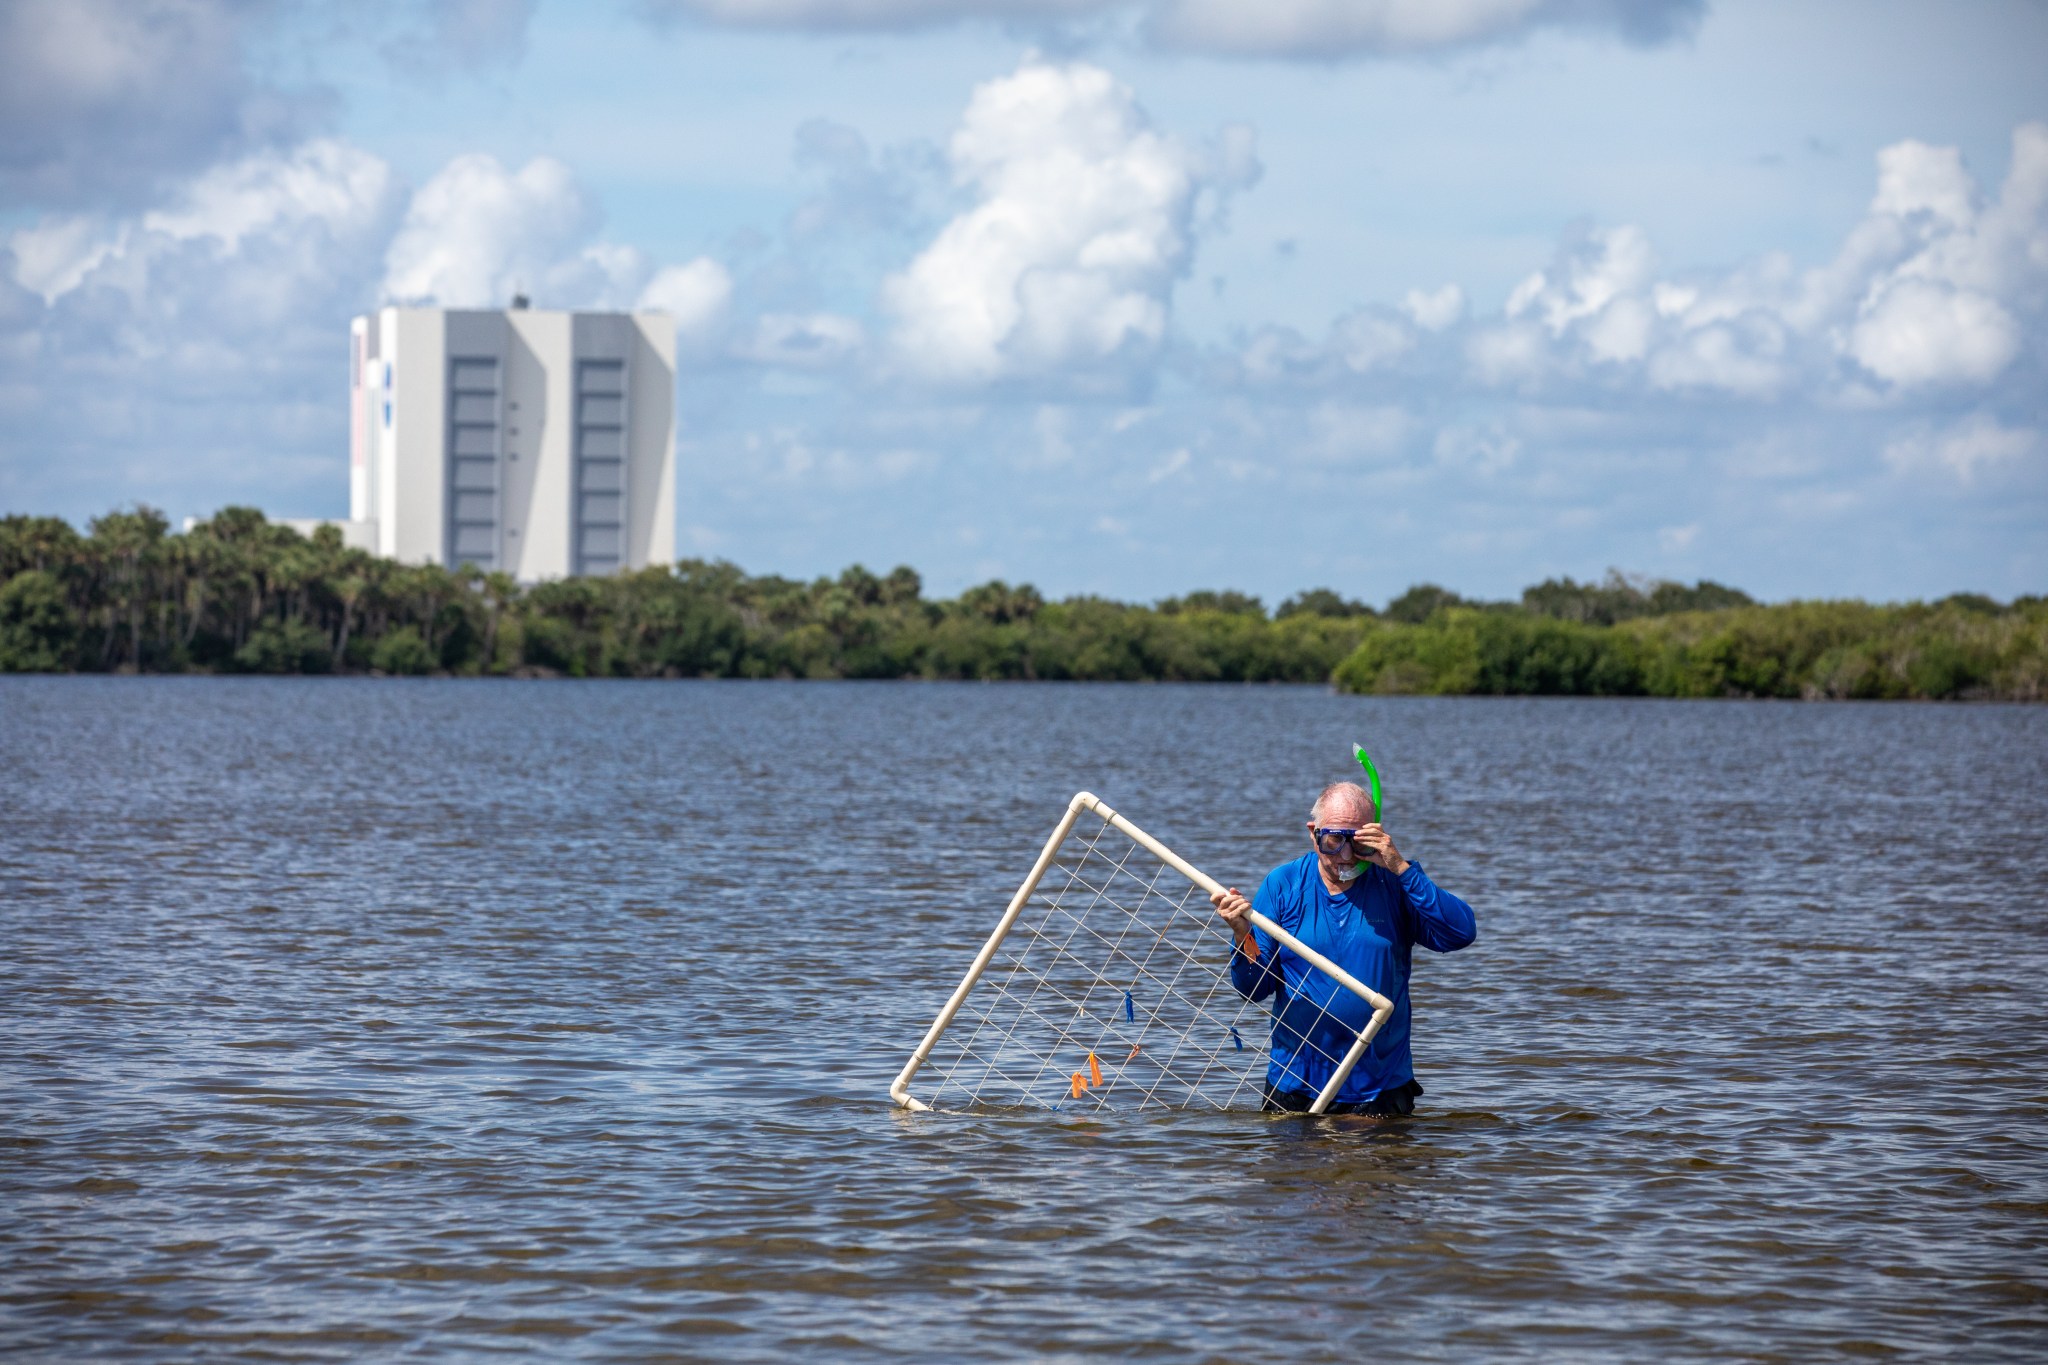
<point x="240" y="594"/>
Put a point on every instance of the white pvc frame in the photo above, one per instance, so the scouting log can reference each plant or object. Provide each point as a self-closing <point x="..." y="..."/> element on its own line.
<point x="1382" y="1008"/>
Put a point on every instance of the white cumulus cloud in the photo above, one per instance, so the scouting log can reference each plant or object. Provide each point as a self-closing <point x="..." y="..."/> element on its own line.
<point x="339" y="192"/>
<point x="1919" y="331"/>
<point x="53" y="257"/>
<point x="1963" y="450"/>
<point x="1742" y="356"/>
<point x="1913" y="177"/>
<point x="1944" y="314"/>
<point x="1937" y="286"/>
<point x="696" y="294"/>
<point x="324" y="179"/>
<point x="1603" y="268"/>
<point x="1083" y="220"/>
<point x="477" y="233"/>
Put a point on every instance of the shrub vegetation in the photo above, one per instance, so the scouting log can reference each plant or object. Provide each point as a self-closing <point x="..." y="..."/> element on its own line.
<point x="238" y="594"/>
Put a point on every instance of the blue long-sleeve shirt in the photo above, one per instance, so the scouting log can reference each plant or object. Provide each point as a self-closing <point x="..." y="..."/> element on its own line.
<point x="1369" y="930"/>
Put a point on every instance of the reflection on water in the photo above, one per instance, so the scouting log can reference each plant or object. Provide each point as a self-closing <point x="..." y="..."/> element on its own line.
<point x="351" y="1018"/>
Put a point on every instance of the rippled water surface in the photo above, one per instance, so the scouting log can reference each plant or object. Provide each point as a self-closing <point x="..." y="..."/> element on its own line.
<point x="351" y="1019"/>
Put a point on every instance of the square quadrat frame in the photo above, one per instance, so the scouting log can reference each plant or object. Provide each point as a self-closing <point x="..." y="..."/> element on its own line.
<point x="1088" y="803"/>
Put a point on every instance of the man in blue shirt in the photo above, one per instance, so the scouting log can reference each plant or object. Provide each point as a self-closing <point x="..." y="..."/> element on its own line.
<point x="1357" y="901"/>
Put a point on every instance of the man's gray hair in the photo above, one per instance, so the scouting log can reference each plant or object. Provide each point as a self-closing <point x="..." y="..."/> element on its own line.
<point x="1330" y="792"/>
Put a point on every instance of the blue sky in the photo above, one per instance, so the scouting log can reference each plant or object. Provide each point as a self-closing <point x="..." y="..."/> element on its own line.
<point x="1117" y="296"/>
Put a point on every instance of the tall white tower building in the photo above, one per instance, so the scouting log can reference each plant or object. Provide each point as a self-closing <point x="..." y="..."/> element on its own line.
<point x="541" y="443"/>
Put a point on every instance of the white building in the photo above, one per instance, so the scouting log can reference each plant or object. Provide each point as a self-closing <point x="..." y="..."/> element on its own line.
<point x="541" y="443"/>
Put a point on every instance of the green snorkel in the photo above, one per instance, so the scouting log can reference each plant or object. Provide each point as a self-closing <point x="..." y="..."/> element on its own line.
<point x="1372" y="776"/>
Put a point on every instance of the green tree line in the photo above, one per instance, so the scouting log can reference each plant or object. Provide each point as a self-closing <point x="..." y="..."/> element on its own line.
<point x="239" y="594"/>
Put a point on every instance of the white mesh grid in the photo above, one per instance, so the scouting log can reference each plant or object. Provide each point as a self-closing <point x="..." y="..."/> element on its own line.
<point x="1119" y="956"/>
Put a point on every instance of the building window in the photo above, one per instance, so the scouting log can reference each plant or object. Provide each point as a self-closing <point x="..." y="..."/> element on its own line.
<point x="599" y="519"/>
<point x="473" y="449"/>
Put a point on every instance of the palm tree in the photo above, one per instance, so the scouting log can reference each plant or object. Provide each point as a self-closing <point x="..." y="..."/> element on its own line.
<point x="47" y="544"/>
<point x="127" y="545"/>
<point x="500" y="591"/>
<point x="349" y="589"/>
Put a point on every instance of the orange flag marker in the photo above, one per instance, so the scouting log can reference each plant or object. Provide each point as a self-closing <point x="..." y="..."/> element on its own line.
<point x="1079" y="1085"/>
<point x="1094" y="1070"/>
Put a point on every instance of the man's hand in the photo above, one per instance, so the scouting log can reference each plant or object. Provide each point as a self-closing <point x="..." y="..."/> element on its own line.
<point x="1236" y="912"/>
<point x="1378" y="847"/>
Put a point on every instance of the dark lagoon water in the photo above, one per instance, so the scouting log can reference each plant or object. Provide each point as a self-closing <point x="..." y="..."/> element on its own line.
<point x="356" y="1019"/>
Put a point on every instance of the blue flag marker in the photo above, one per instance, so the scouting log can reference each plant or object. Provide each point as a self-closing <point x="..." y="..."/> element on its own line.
<point x="1130" y="1015"/>
<point x="1235" y="1039"/>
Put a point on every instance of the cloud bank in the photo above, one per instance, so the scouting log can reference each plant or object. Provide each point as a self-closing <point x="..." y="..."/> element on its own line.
<point x="106" y="103"/>
<point x="1315" y="30"/>
<point x="199" y="342"/>
<point x="1935" y="289"/>
<point x="1937" y="296"/>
